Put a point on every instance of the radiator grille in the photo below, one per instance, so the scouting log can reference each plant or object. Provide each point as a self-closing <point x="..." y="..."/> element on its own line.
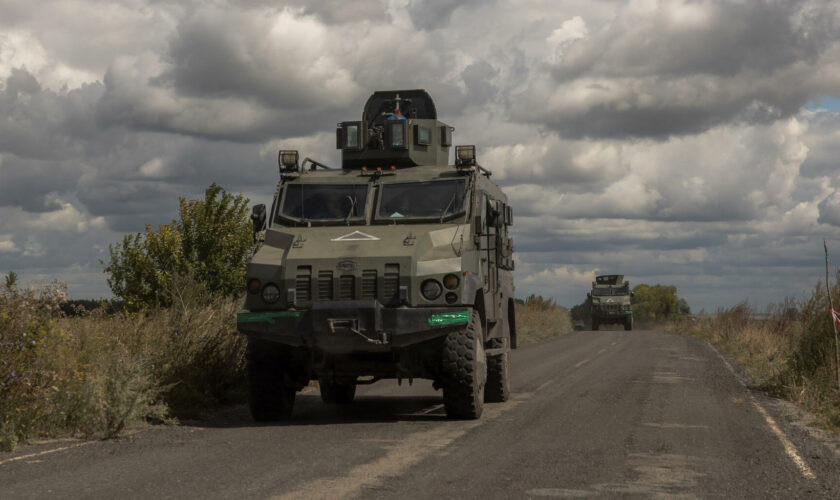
<point x="346" y="287"/>
<point x="303" y="284"/>
<point x="325" y="285"/>
<point x="391" y="283"/>
<point x="369" y="284"/>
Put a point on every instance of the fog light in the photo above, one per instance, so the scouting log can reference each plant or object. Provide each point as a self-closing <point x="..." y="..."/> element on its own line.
<point x="270" y="294"/>
<point x="451" y="298"/>
<point x="431" y="289"/>
<point x="254" y="286"/>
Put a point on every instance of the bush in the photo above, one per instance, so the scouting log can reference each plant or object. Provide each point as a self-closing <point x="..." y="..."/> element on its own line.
<point x="96" y="373"/>
<point x="211" y="242"/>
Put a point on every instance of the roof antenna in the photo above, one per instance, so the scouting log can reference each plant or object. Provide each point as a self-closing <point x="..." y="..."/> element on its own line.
<point x="397" y="111"/>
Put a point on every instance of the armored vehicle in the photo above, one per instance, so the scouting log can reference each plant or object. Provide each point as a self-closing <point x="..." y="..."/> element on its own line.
<point x="610" y="301"/>
<point x="398" y="265"/>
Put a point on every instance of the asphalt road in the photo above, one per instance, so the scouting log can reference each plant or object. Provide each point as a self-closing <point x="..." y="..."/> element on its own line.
<point x="607" y="414"/>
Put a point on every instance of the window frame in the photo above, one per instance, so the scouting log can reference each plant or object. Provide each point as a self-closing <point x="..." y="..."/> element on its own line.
<point x="285" y="220"/>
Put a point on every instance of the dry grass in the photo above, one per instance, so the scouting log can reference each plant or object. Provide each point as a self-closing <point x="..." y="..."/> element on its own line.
<point x="539" y="319"/>
<point x="95" y="374"/>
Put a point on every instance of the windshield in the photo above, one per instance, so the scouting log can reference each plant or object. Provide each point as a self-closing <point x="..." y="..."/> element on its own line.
<point x="602" y="292"/>
<point x="430" y="199"/>
<point x="324" y="201"/>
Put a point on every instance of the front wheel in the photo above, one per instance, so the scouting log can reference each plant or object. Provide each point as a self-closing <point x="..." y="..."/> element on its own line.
<point x="595" y="324"/>
<point x="628" y="323"/>
<point x="464" y="371"/>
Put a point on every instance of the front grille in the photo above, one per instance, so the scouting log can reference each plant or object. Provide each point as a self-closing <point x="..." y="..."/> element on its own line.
<point x="325" y="285"/>
<point x="303" y="284"/>
<point x="369" y="284"/>
<point x="391" y="283"/>
<point x="346" y="287"/>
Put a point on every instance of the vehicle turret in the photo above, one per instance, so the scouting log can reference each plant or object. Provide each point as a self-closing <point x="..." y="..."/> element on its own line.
<point x="398" y="127"/>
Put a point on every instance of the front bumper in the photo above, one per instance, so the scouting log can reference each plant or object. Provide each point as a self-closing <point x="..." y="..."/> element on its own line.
<point x="611" y="313"/>
<point x="353" y="325"/>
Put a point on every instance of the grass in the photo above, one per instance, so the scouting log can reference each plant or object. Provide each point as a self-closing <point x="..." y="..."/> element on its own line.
<point x="788" y="352"/>
<point x="93" y="374"/>
<point x="539" y="319"/>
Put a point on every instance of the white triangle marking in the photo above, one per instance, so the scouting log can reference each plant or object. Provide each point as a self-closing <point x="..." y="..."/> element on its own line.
<point x="355" y="236"/>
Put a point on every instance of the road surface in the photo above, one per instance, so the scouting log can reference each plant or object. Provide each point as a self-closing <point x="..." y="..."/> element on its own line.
<point x="613" y="414"/>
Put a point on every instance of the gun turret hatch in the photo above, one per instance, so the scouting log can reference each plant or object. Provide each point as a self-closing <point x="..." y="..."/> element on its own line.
<point x="399" y="128"/>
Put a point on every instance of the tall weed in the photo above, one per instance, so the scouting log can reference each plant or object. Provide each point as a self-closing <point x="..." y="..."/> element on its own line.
<point x="95" y="373"/>
<point x="539" y="319"/>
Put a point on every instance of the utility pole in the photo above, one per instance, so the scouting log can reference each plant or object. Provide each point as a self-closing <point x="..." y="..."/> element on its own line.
<point x="833" y="318"/>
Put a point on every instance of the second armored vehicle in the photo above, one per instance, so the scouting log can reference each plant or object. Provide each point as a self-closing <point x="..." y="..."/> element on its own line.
<point x="610" y="301"/>
<point x="398" y="265"/>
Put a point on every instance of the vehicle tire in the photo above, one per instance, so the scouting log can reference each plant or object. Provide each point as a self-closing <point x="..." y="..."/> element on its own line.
<point x="464" y="371"/>
<point x="497" y="389"/>
<point x="628" y="323"/>
<point x="270" y="397"/>
<point x="334" y="393"/>
<point x="595" y="324"/>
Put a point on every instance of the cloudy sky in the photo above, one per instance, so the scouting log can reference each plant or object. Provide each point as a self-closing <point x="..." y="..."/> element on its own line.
<point x="684" y="142"/>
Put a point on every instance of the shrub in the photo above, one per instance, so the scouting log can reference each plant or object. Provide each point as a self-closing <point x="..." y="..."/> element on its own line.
<point x="211" y="242"/>
<point x="97" y="373"/>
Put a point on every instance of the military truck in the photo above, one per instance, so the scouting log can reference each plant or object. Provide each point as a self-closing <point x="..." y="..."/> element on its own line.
<point x="610" y="301"/>
<point x="397" y="265"/>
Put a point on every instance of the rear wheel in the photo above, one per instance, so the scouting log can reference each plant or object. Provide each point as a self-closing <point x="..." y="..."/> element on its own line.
<point x="594" y="324"/>
<point x="270" y="396"/>
<point x="464" y="371"/>
<point x="498" y="378"/>
<point x="628" y="323"/>
<point x="336" y="393"/>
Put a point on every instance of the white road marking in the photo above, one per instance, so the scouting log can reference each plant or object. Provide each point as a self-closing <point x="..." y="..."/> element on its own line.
<point x="790" y="449"/>
<point x="582" y="363"/>
<point x="544" y="385"/>
<point x="45" y="452"/>
<point x="432" y="409"/>
<point x="674" y="426"/>
<point x="602" y="350"/>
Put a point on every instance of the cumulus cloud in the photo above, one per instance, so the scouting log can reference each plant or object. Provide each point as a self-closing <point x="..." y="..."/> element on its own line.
<point x="678" y="67"/>
<point x="663" y="140"/>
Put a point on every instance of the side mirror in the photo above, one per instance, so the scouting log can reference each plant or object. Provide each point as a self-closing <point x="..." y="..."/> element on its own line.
<point x="258" y="219"/>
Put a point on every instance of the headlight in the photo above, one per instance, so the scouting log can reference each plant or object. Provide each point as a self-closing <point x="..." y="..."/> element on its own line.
<point x="450" y="281"/>
<point x="431" y="289"/>
<point x="270" y="294"/>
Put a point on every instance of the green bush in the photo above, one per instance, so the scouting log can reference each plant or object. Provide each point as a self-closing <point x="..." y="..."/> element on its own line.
<point x="211" y="243"/>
